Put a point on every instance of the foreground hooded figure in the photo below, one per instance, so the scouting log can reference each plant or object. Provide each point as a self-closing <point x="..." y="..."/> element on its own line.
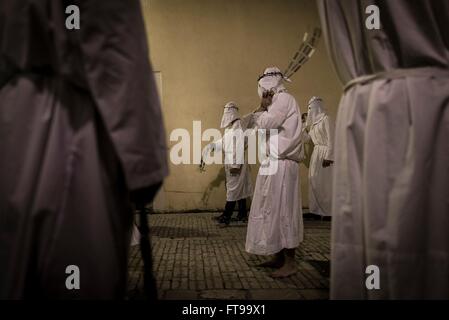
<point x="80" y="134"/>
<point x="275" y="223"/>
<point x="238" y="177"/>
<point x="391" y="173"/>
<point x="320" y="170"/>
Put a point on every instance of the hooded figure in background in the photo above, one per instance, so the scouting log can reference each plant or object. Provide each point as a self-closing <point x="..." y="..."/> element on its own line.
<point x="306" y="143"/>
<point x="320" y="169"/>
<point x="275" y="223"/>
<point x="238" y="177"/>
<point x="81" y="134"/>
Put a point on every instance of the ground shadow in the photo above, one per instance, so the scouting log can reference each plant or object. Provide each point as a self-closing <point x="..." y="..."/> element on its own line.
<point x="178" y="232"/>
<point x="323" y="267"/>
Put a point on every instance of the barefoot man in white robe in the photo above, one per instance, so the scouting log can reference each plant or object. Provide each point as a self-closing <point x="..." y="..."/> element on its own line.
<point x="275" y="225"/>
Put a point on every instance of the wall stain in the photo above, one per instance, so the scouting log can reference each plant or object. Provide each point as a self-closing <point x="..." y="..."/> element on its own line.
<point x="221" y="176"/>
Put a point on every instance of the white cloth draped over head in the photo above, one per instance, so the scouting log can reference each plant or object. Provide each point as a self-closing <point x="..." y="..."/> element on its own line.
<point x="320" y="178"/>
<point x="316" y="110"/>
<point x="230" y="114"/>
<point x="271" y="80"/>
<point x="238" y="186"/>
<point x="391" y="174"/>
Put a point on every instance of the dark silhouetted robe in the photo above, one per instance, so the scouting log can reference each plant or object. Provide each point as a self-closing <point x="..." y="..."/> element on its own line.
<point x="80" y="127"/>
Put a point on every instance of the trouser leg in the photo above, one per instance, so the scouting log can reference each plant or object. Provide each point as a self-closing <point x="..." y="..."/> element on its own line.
<point x="225" y="218"/>
<point x="229" y="209"/>
<point x="242" y="209"/>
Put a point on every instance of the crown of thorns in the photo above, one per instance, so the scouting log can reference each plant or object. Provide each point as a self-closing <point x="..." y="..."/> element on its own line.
<point x="231" y="107"/>
<point x="314" y="99"/>
<point x="270" y="74"/>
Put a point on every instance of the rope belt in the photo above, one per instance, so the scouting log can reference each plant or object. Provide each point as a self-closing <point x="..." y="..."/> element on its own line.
<point x="285" y="158"/>
<point x="397" y="74"/>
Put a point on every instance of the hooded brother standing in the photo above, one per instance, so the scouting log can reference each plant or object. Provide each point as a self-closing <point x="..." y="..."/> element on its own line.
<point x="275" y="223"/>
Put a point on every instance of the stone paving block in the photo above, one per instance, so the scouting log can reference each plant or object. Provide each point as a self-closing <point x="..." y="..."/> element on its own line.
<point x="184" y="285"/>
<point x="314" y="294"/>
<point x="275" y="294"/>
<point x="201" y="285"/>
<point x="166" y="284"/>
<point x="223" y="294"/>
<point x="180" y="295"/>
<point x="305" y="265"/>
<point x="176" y="284"/>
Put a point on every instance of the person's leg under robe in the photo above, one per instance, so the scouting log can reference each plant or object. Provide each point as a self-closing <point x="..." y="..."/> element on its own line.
<point x="67" y="202"/>
<point x="243" y="213"/>
<point x="225" y="219"/>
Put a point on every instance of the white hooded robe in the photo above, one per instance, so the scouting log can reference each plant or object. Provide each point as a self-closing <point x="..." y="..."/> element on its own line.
<point x="320" y="178"/>
<point x="275" y="220"/>
<point x="238" y="186"/>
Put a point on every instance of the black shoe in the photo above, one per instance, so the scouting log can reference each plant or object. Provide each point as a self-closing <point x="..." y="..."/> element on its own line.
<point x="224" y="221"/>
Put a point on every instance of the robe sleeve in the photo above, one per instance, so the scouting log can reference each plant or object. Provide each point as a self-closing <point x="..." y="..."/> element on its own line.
<point x="249" y="121"/>
<point x="216" y="145"/>
<point x="227" y="135"/>
<point x="276" y="114"/>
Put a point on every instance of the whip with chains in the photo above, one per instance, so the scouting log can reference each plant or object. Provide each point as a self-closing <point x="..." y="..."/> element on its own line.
<point x="304" y="53"/>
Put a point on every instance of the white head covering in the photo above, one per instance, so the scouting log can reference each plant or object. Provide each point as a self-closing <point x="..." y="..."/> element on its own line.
<point x="230" y="114"/>
<point x="316" y="110"/>
<point x="272" y="79"/>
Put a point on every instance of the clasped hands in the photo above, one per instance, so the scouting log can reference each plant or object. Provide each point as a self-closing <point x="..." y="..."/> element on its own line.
<point x="235" y="171"/>
<point x="327" y="163"/>
<point x="267" y="100"/>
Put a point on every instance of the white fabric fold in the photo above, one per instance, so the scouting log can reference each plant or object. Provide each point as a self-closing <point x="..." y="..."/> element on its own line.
<point x="391" y="173"/>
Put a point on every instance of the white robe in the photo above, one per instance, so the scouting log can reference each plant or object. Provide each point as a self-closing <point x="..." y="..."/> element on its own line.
<point x="237" y="186"/>
<point x="275" y="220"/>
<point x="320" y="179"/>
<point x="391" y="174"/>
<point x="302" y="152"/>
<point x="306" y="149"/>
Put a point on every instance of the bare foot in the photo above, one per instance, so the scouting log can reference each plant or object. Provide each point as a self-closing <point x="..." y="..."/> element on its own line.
<point x="276" y="262"/>
<point x="285" y="271"/>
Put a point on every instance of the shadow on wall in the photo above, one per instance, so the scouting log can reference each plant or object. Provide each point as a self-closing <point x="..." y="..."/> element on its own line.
<point x="221" y="176"/>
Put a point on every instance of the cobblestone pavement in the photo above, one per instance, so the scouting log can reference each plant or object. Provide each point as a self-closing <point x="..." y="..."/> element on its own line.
<point x="196" y="259"/>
